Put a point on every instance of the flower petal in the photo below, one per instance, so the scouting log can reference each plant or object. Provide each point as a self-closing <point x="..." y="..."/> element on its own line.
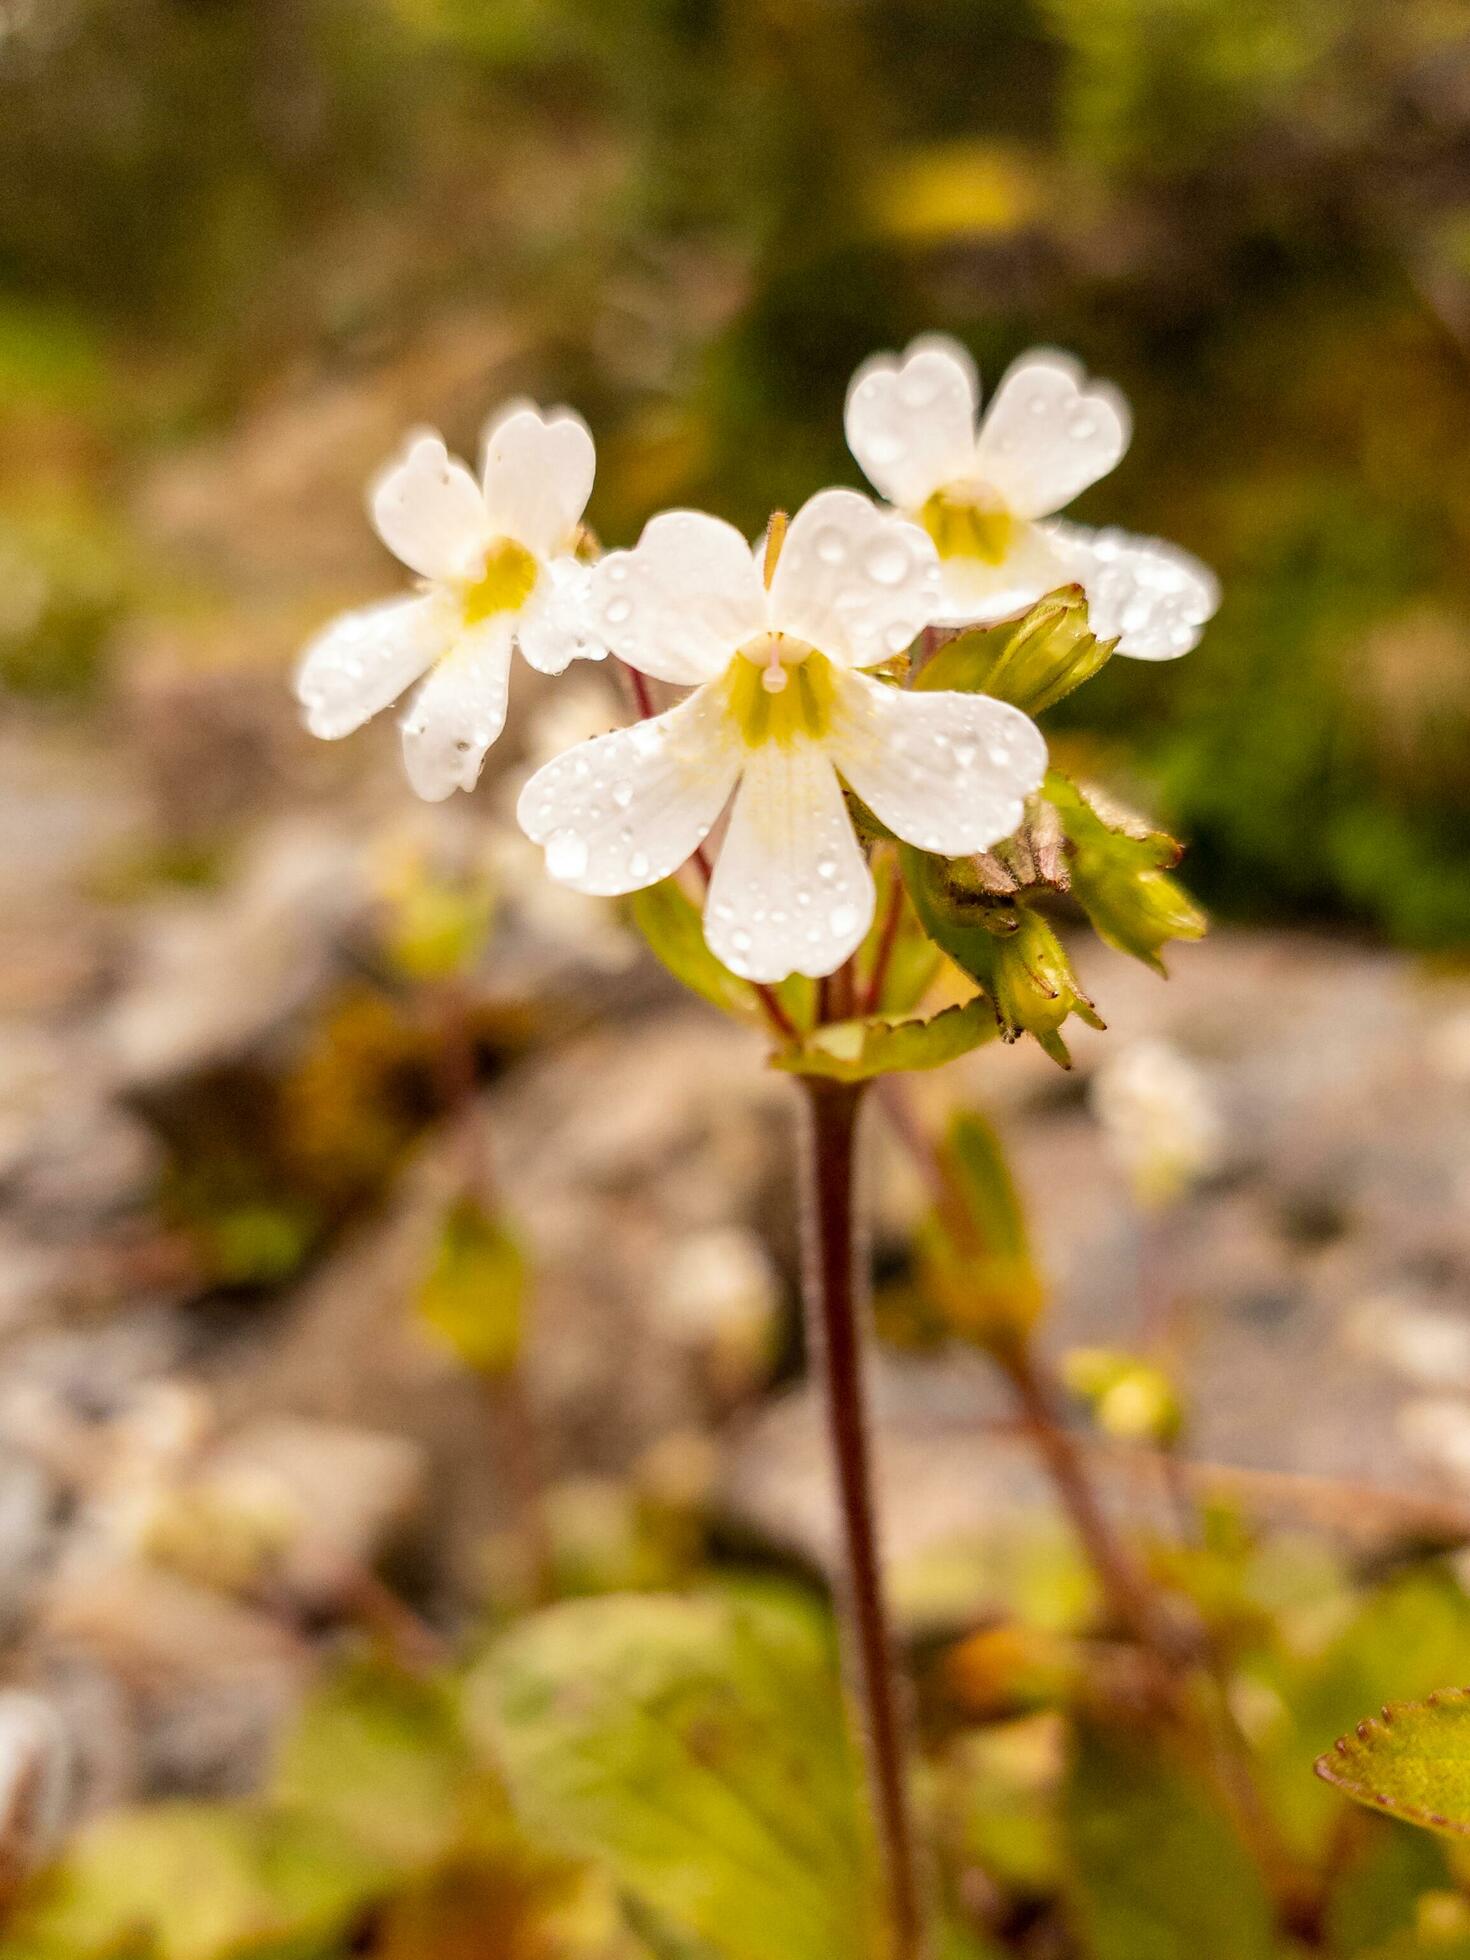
<point x="792" y="892"/>
<point x="948" y="772"/>
<point x="362" y="661"/>
<point x="679" y="604"/>
<point x="555" y="626"/>
<point x="1047" y="435"/>
<point x="911" y="422"/>
<point x="624" y="810"/>
<point x="974" y="591"/>
<point x="538" y="472"/>
<point x="855" y="581"/>
<point x="458" y="712"/>
<point x="429" y="512"/>
<point x="1156" y="597"/>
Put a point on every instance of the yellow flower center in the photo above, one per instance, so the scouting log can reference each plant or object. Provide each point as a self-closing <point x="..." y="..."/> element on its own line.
<point x="505" y="581"/>
<point x="968" y="523"/>
<point x="779" y="690"/>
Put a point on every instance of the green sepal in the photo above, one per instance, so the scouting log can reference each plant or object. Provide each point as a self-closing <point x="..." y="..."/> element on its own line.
<point x="1008" y="949"/>
<point x="1120" y="875"/>
<point x="856" y="1051"/>
<point x="1032" y="662"/>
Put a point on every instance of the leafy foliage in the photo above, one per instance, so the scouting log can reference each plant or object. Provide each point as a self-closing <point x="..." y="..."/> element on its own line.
<point x="1412" y="1761"/>
<point x="473" y="1296"/>
<point x="698" y="1746"/>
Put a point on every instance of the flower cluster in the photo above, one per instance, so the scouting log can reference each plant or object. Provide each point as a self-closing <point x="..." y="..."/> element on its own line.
<point x="788" y="651"/>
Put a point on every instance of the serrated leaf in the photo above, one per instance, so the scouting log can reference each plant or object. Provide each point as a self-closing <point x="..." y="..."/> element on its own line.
<point x="474" y="1294"/>
<point x="698" y="1747"/>
<point x="1032" y="662"/>
<point x="856" y="1051"/>
<point x="1157" y="1871"/>
<point x="1120" y="875"/>
<point x="1412" y="1762"/>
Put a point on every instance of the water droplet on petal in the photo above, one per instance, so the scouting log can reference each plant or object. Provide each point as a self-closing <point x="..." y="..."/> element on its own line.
<point x="566" y="854"/>
<point x="831" y="545"/>
<point x="886" y="562"/>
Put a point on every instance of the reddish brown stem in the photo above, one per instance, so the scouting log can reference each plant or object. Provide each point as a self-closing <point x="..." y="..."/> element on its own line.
<point x="883" y="953"/>
<point x="835" y="1342"/>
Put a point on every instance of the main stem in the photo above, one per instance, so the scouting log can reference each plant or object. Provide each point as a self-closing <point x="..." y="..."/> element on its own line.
<point x="833" y="1298"/>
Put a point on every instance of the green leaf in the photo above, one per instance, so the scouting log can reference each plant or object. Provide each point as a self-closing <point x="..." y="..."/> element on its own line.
<point x="978" y="1264"/>
<point x="1008" y="949"/>
<point x="1157" y="1871"/>
<point x="670" y="922"/>
<point x="1032" y="662"/>
<point x="698" y="1746"/>
<point x="474" y="1294"/>
<point x="383" y="1756"/>
<point x="186" y="1881"/>
<point x="1377" y="1886"/>
<point x="1412" y="1762"/>
<point x="1120" y="875"/>
<point x="855" y="1051"/>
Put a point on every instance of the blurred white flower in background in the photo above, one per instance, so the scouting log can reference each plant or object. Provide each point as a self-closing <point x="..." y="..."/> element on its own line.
<point x="37" y="1765"/>
<point x="1160" y="1119"/>
<point x="718" y="1295"/>
<point x="780" y="706"/>
<point x="987" y="497"/>
<point x="499" y="570"/>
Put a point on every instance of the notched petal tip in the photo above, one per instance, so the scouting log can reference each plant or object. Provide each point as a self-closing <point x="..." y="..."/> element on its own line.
<point x="910" y="421"/>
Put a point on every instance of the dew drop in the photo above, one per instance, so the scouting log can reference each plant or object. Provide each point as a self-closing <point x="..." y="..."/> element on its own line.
<point x="831" y="545"/>
<point x="740" y="940"/>
<point x="566" y="854"/>
<point x="618" y="611"/>
<point x="897" y="635"/>
<point x="841" y="920"/>
<point x="886" y="563"/>
<point x="622" y="794"/>
<point x="826" y="867"/>
<point x="638" y="865"/>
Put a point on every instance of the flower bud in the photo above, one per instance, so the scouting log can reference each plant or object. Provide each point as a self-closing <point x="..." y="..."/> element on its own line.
<point x="1031" y="983"/>
<point x="1033" y="662"/>
<point x="1120" y="874"/>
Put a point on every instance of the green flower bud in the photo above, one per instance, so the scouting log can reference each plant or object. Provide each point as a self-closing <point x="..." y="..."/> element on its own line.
<point x="1033" y="662"/>
<point x="1120" y="874"/>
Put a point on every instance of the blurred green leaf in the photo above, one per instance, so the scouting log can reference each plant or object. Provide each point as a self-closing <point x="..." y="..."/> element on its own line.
<point x="187" y="1881"/>
<point x="1412" y="1761"/>
<point x="1032" y="662"/>
<point x="1157" y="1873"/>
<point x="474" y="1294"/>
<point x="978" y="1265"/>
<point x="382" y="1755"/>
<point x="1376" y="1887"/>
<point x="855" y="1051"/>
<point x="697" y="1745"/>
<point x="1120" y="875"/>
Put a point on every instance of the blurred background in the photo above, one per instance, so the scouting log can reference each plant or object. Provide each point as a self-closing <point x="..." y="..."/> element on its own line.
<point x="249" y="990"/>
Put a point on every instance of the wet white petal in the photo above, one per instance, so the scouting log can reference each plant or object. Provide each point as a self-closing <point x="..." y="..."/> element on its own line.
<point x="554" y="628"/>
<point x="911" y="422"/>
<point x="429" y="512"/>
<point x="855" y="581"/>
<point x="948" y="772"/>
<point x="1157" y="597"/>
<point x="679" y="604"/>
<point x="458" y="712"/>
<point x="364" y="660"/>
<point x="538" y="474"/>
<point x="974" y="592"/>
<point x="626" y="809"/>
<point x="792" y="892"/>
<point x="1048" y="433"/>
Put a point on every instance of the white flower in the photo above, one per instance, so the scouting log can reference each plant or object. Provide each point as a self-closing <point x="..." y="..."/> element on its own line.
<point x="496" y="560"/>
<point x="1160" y="1118"/>
<point x="779" y="707"/>
<point x="987" y="498"/>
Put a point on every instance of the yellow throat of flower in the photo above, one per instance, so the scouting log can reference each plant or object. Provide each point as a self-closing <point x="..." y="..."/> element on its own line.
<point x="968" y="524"/>
<point x="505" y="581"/>
<point x="779" y="690"/>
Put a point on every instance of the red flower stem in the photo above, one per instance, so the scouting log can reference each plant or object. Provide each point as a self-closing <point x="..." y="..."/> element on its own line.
<point x="887" y="940"/>
<point x="831" y="1294"/>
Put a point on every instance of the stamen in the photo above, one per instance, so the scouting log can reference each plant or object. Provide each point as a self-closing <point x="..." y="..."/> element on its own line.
<point x="773" y="675"/>
<point x="775" y="538"/>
